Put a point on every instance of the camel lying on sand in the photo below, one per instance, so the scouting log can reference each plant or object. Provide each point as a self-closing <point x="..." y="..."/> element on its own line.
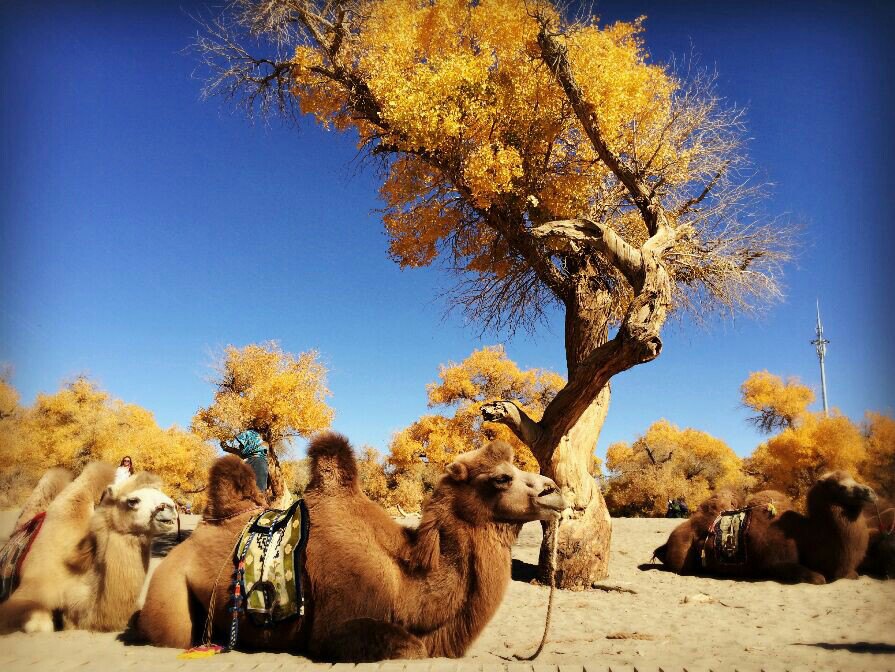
<point x="782" y="544"/>
<point x="879" y="561"/>
<point x="374" y="589"/>
<point x="90" y="558"/>
<point x="681" y="552"/>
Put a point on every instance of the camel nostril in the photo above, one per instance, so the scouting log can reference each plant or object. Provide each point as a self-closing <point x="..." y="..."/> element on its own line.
<point x="549" y="490"/>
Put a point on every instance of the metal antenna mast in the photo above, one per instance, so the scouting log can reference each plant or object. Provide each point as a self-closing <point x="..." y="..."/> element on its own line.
<point x="820" y="344"/>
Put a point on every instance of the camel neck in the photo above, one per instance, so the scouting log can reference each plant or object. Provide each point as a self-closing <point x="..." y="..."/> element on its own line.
<point x="481" y="556"/>
<point x="120" y="567"/>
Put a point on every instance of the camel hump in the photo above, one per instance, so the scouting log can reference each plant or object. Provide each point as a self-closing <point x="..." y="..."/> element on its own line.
<point x="333" y="467"/>
<point x="231" y="488"/>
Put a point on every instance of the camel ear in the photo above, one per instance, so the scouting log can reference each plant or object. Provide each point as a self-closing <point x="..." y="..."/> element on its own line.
<point x="107" y="496"/>
<point x="457" y="471"/>
<point x="424" y="553"/>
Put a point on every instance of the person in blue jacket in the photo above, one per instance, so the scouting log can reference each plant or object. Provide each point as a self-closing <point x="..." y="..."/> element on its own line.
<point x="250" y="447"/>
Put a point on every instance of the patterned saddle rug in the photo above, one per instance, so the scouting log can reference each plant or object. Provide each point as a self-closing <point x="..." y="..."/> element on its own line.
<point x="726" y="542"/>
<point x="269" y="559"/>
<point x="14" y="552"/>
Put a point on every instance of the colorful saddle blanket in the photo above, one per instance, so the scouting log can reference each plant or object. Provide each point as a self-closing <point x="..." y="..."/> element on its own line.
<point x="14" y="552"/>
<point x="270" y="555"/>
<point x="726" y="543"/>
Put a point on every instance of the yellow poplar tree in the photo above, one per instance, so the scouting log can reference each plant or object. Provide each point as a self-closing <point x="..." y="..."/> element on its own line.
<point x="666" y="463"/>
<point x="81" y="423"/>
<point x="778" y="404"/>
<point x="878" y="467"/>
<point x="483" y="377"/>
<point x="548" y="163"/>
<point x="275" y="393"/>
<point x="421" y="451"/>
<point x="795" y="458"/>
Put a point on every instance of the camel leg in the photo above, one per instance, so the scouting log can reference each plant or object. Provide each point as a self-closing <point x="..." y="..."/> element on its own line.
<point x="793" y="572"/>
<point x="165" y="618"/>
<point x="23" y="614"/>
<point x="366" y="640"/>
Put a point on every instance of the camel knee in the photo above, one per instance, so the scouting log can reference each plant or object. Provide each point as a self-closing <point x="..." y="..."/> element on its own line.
<point x="165" y="619"/>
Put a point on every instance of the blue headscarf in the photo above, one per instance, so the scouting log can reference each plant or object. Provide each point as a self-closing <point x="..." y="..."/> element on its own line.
<point x="248" y="443"/>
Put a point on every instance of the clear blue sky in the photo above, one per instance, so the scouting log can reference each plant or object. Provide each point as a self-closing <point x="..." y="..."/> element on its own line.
<point x="143" y="229"/>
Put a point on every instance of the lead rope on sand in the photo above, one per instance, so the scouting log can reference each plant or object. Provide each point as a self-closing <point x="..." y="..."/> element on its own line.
<point x="554" y="534"/>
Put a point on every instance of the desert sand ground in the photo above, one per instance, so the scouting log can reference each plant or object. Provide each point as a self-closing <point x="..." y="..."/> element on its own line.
<point x="641" y="618"/>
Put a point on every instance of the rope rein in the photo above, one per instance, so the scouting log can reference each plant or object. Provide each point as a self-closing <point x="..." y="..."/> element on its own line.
<point x="554" y="531"/>
<point x="228" y="561"/>
<point x="879" y="517"/>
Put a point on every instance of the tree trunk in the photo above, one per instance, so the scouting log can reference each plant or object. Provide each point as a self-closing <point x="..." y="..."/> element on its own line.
<point x="274" y="476"/>
<point x="586" y="531"/>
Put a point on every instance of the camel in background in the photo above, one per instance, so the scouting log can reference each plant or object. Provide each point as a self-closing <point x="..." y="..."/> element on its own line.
<point x="90" y="558"/>
<point x="375" y="589"/>
<point x="827" y="544"/>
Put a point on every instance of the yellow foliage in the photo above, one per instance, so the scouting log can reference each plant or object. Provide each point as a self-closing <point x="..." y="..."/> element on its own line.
<point x="486" y="375"/>
<point x="794" y="459"/>
<point x="779" y="404"/>
<point x="667" y="463"/>
<point x="463" y="82"/>
<point x="276" y="393"/>
<point x="371" y="474"/>
<point x="878" y="467"/>
<point x="81" y="423"/>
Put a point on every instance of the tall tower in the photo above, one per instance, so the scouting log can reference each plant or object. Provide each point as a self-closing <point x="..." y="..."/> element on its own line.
<point x="820" y="344"/>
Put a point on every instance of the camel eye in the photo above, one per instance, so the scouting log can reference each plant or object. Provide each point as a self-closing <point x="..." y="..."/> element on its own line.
<point x="503" y="479"/>
<point x="133" y="502"/>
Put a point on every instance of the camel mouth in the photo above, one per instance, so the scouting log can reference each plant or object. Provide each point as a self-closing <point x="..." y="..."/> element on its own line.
<point x="552" y="500"/>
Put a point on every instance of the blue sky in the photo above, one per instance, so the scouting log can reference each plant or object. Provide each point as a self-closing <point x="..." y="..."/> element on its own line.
<point x="142" y="229"/>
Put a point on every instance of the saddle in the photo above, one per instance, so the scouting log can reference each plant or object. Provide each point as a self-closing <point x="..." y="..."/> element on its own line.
<point x="725" y="545"/>
<point x="14" y="552"/>
<point x="269" y="558"/>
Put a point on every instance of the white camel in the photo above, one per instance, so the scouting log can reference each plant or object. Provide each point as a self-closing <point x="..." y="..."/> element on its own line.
<point x="90" y="558"/>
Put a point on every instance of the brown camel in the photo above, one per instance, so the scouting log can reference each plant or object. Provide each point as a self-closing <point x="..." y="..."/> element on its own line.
<point x="89" y="560"/>
<point x="879" y="561"/>
<point x="681" y="552"/>
<point x="782" y="544"/>
<point x="374" y="589"/>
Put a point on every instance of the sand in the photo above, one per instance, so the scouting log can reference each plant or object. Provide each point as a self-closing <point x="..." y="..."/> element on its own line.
<point x="643" y="618"/>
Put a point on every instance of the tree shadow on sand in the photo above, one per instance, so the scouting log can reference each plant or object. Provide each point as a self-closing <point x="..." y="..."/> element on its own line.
<point x="853" y="647"/>
<point x="524" y="571"/>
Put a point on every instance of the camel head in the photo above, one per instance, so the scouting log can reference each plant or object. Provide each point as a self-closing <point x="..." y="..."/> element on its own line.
<point x="487" y="486"/>
<point x="138" y="507"/>
<point x="838" y="488"/>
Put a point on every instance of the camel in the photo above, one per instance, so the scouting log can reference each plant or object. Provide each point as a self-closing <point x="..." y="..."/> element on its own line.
<point x="782" y="544"/>
<point x="879" y="561"/>
<point x="681" y="552"/>
<point x="374" y="589"/>
<point x="90" y="558"/>
<point x="51" y="484"/>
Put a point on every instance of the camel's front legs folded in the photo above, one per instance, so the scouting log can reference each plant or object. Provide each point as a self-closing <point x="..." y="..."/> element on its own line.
<point x="793" y="572"/>
<point x="363" y="640"/>
<point x="165" y="619"/>
<point x="19" y="613"/>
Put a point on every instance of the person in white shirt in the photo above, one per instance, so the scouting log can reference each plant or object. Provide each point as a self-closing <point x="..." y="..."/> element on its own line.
<point x="125" y="470"/>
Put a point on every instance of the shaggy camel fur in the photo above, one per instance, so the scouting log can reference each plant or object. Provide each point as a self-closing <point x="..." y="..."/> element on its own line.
<point x="89" y="560"/>
<point x="374" y="589"/>
<point x="782" y="544"/>
<point x="879" y="561"/>
<point x="50" y="484"/>
<point x="681" y="552"/>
